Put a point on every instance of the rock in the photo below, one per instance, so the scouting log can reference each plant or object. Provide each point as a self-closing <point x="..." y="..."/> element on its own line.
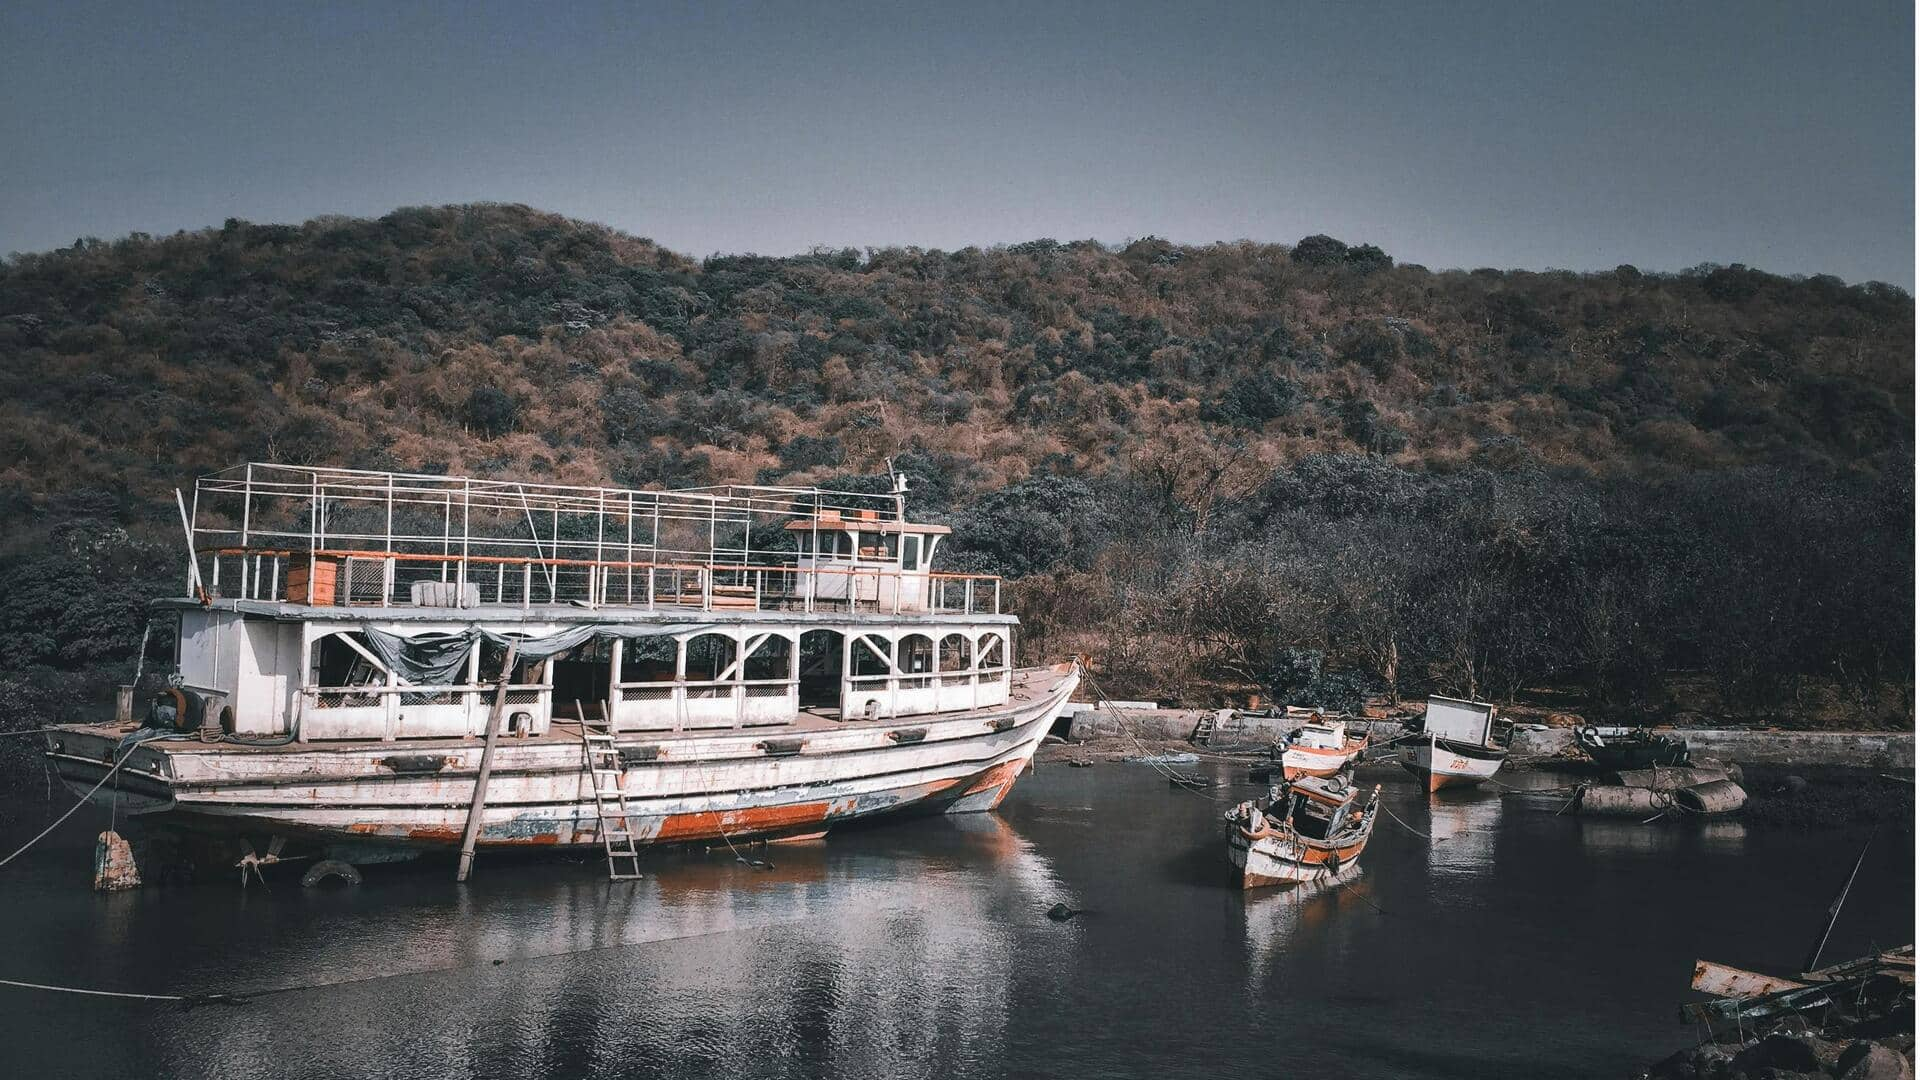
<point x="1872" y="1061"/>
<point x="1061" y="912"/>
<point x="1794" y="785"/>
<point x="113" y="865"/>
<point x="1783" y="1053"/>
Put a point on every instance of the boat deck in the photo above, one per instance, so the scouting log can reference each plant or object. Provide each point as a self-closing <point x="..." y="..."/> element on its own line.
<point x="1029" y="685"/>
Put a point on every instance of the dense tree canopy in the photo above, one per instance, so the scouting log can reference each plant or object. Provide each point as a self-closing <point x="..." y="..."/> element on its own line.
<point x="1341" y="473"/>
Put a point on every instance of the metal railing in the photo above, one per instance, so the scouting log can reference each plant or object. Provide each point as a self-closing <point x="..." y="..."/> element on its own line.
<point x="388" y="579"/>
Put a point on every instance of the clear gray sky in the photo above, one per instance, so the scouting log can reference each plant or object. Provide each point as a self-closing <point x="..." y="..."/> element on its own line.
<point x="1452" y="134"/>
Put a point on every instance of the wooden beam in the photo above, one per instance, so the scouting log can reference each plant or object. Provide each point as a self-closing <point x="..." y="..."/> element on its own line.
<point x="474" y="812"/>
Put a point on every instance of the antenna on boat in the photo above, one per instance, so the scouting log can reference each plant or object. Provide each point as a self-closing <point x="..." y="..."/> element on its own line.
<point x="193" y="559"/>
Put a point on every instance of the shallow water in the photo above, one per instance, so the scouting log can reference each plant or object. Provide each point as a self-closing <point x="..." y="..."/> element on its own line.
<point x="1513" y="943"/>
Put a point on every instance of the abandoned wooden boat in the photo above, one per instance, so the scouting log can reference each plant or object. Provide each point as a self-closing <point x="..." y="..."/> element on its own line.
<point x="1321" y="748"/>
<point x="716" y="664"/>
<point x="1310" y="829"/>
<point x="1459" y="744"/>
<point x="1614" y="749"/>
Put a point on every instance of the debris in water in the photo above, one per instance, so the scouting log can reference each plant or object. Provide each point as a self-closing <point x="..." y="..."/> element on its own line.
<point x="1061" y="912"/>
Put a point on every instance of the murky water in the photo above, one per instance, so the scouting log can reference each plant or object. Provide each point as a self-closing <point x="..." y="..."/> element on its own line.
<point x="1513" y="943"/>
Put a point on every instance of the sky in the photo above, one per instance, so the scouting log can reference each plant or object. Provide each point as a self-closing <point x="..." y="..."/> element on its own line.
<point x="1522" y="135"/>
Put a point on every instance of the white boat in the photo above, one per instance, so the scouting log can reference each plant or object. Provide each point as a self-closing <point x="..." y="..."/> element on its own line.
<point x="719" y="664"/>
<point x="1321" y="748"/>
<point x="1459" y="744"/>
<point x="1308" y="830"/>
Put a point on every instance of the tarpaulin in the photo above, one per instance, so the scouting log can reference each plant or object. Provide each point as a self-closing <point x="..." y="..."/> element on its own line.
<point x="440" y="659"/>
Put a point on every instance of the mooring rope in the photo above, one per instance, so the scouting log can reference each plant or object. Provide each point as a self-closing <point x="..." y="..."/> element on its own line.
<point x="1147" y="755"/>
<point x="245" y="996"/>
<point x="75" y="808"/>
<point x="1409" y="828"/>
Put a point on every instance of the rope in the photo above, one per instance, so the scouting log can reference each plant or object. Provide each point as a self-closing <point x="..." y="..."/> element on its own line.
<point x="241" y="998"/>
<point x="91" y="993"/>
<point x="1146" y="752"/>
<point x="1409" y="828"/>
<point x="76" y="806"/>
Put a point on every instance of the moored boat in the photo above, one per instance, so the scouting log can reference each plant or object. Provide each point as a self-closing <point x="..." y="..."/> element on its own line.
<point x="720" y="664"/>
<point x="1459" y="744"/>
<point x="1307" y="830"/>
<point x="1614" y="749"/>
<point x="1321" y="748"/>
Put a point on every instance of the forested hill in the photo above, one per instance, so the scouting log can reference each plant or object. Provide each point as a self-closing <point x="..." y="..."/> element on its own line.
<point x="1201" y="399"/>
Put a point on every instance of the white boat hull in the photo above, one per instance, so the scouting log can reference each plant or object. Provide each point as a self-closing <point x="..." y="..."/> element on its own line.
<point x="1442" y="767"/>
<point x="692" y="787"/>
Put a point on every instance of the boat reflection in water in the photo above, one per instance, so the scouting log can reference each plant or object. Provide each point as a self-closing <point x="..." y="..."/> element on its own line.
<point x="873" y="954"/>
<point x="1462" y="827"/>
<point x="1319" y="909"/>
<point x="1627" y="836"/>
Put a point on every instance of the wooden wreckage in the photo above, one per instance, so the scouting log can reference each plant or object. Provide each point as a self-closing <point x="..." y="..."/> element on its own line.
<point x="369" y="665"/>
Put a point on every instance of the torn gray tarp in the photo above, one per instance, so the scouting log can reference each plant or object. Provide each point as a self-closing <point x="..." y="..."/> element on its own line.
<point x="440" y="659"/>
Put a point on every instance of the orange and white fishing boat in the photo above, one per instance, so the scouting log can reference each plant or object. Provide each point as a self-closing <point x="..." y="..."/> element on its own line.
<point x="1310" y="829"/>
<point x="1321" y="748"/>
<point x="1459" y="744"/>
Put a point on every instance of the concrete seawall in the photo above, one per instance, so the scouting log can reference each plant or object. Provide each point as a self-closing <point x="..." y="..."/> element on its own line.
<point x="1866" y="749"/>
<point x="1863" y="749"/>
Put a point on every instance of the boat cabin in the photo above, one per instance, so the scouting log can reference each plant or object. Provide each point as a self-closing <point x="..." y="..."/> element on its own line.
<point x="337" y="604"/>
<point x="1326" y="735"/>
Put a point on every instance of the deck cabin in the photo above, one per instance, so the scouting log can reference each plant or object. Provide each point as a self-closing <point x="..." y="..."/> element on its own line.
<point x="332" y="604"/>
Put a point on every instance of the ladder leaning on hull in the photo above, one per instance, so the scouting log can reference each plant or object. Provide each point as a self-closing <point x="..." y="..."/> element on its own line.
<point x="604" y="771"/>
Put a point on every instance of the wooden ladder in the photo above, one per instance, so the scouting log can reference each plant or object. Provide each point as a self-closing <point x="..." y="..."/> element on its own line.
<point x="1204" y="731"/>
<point x="610" y="801"/>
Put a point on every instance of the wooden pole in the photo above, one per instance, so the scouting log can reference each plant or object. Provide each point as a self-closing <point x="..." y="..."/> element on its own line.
<point x="474" y="812"/>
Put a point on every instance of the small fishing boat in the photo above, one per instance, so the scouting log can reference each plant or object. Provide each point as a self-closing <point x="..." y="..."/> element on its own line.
<point x="1310" y="829"/>
<point x="1615" y="749"/>
<point x="1321" y="748"/>
<point x="1459" y="744"/>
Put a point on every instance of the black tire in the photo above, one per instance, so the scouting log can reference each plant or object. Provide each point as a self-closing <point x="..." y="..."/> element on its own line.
<point x="330" y="868"/>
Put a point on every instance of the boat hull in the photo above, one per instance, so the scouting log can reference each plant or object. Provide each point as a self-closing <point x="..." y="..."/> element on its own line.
<point x="1299" y="761"/>
<point x="1441" y="763"/>
<point x="1268" y="862"/>
<point x="689" y="788"/>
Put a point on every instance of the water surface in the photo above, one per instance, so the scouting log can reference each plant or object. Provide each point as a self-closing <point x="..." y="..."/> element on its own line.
<point x="1511" y="943"/>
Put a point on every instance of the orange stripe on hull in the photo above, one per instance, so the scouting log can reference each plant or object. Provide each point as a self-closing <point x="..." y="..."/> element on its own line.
<point x="1003" y="775"/>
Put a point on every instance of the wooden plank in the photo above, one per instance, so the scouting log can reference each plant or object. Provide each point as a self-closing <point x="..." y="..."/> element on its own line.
<point x="1725" y="980"/>
<point x="472" y="833"/>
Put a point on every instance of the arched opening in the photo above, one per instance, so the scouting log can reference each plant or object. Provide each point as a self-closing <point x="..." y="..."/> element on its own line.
<point x="822" y="655"/>
<point x="993" y="652"/>
<point x="956" y="653"/>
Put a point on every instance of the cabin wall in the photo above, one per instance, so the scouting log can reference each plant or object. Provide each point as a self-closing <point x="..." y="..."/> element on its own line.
<point x="648" y="684"/>
<point x="269" y="673"/>
<point x="210" y="645"/>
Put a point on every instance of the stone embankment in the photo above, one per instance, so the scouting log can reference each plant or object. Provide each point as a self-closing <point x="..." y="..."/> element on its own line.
<point x="1745" y="746"/>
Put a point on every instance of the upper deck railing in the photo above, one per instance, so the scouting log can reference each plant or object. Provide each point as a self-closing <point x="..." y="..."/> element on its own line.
<point x="342" y="536"/>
